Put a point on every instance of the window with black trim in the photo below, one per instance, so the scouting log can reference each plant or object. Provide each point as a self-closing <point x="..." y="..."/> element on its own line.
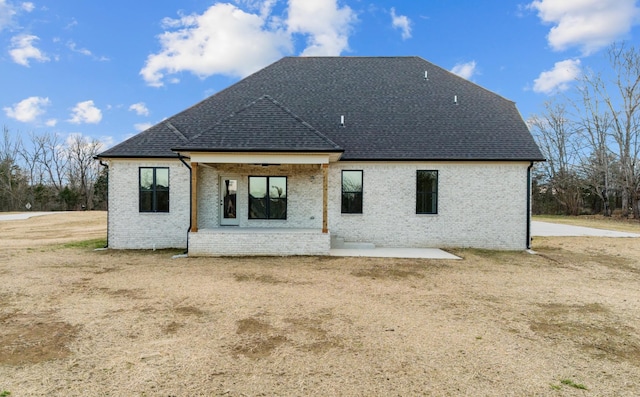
<point x="351" y="192"/>
<point x="427" y="192"/>
<point x="267" y="197"/>
<point x="154" y="189"/>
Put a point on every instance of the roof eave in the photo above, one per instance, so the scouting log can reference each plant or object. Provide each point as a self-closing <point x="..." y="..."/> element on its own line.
<point x="432" y="159"/>
<point x="255" y="150"/>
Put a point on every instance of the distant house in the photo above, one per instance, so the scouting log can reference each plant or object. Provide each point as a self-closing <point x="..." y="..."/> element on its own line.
<point x="314" y="151"/>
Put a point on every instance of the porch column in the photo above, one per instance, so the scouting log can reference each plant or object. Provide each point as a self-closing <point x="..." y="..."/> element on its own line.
<point x="194" y="197"/>
<point x="325" y="197"/>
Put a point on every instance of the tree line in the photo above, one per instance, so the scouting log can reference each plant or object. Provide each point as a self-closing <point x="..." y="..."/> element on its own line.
<point x="591" y="139"/>
<point x="47" y="173"/>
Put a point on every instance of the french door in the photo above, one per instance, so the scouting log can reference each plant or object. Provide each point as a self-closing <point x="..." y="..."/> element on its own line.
<point x="229" y="201"/>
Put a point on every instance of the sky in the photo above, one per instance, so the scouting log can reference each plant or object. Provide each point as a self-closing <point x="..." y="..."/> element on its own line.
<point x="108" y="70"/>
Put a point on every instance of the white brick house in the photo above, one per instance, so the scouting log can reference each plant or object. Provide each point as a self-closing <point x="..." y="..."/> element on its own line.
<point x="313" y="151"/>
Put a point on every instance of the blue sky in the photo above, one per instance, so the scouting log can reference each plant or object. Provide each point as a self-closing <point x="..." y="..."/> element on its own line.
<point x="107" y="70"/>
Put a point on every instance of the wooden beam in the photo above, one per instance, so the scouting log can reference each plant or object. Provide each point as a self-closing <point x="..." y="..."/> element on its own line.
<point x="194" y="197"/>
<point x="325" y="197"/>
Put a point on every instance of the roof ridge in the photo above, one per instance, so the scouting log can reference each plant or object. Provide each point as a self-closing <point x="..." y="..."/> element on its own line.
<point x="225" y="118"/>
<point x="301" y="120"/>
<point x="176" y="131"/>
<point x="279" y="105"/>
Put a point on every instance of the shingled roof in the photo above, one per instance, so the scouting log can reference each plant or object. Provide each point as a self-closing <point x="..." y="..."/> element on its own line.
<point x="263" y="125"/>
<point x="393" y="108"/>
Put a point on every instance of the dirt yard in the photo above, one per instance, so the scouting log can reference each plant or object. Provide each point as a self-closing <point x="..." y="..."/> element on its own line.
<point x="79" y="322"/>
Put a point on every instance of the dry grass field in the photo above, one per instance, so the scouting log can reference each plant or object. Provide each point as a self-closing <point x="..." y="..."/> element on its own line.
<point x="79" y="322"/>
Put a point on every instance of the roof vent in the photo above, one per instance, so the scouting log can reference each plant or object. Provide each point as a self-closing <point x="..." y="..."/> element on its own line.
<point x="455" y="99"/>
<point x="426" y="75"/>
<point x="342" y="121"/>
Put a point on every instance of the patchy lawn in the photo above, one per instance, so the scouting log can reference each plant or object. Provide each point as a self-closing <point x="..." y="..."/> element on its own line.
<point x="78" y="322"/>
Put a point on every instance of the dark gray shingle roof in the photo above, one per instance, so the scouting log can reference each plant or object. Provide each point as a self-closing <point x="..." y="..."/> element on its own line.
<point x="263" y="125"/>
<point x="391" y="112"/>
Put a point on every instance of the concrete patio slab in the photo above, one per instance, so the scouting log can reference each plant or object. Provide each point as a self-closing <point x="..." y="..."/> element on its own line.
<point x="418" y="253"/>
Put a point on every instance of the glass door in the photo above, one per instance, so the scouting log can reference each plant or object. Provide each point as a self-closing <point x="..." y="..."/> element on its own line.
<point x="229" y="201"/>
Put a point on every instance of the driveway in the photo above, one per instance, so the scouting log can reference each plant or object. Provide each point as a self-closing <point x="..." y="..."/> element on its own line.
<point x="23" y="215"/>
<point x="544" y="229"/>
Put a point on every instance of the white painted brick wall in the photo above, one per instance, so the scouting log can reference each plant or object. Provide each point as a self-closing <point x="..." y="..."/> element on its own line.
<point x="482" y="205"/>
<point x="211" y="242"/>
<point x="304" y="195"/>
<point x="131" y="229"/>
<point x="479" y="205"/>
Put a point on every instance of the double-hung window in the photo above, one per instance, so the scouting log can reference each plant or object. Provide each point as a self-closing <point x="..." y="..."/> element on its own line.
<point x="267" y="197"/>
<point x="154" y="189"/>
<point x="427" y="192"/>
<point x="351" y="192"/>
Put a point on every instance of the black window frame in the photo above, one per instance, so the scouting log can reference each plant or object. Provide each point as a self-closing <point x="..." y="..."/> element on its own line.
<point x="268" y="199"/>
<point x="156" y="204"/>
<point x="422" y="194"/>
<point x="347" y="205"/>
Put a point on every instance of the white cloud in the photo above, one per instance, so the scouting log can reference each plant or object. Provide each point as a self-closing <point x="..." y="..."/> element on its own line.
<point x="51" y="122"/>
<point x="223" y="40"/>
<point x="140" y="108"/>
<point x="23" y="50"/>
<point x="588" y="24"/>
<point x="7" y="12"/>
<point x="28" y="6"/>
<point x="558" y="78"/>
<point x="327" y="26"/>
<point x="465" y="70"/>
<point x="28" y="109"/>
<point x="142" y="126"/>
<point x="228" y="40"/>
<point x="264" y="6"/>
<point x="74" y="47"/>
<point x="85" y="112"/>
<point x="401" y="22"/>
<point x="106" y="141"/>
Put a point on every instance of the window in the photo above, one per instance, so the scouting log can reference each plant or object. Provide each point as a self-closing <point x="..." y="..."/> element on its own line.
<point x="352" y="192"/>
<point x="267" y="197"/>
<point x="427" y="192"/>
<point x="154" y="189"/>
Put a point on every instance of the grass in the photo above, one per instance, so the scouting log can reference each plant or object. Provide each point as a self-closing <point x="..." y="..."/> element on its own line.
<point x="569" y="382"/>
<point x="89" y="244"/>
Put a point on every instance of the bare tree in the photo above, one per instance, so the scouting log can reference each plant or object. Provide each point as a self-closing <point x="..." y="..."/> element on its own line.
<point x="53" y="158"/>
<point x="13" y="183"/>
<point x="83" y="170"/>
<point x="595" y="123"/>
<point x="556" y="135"/>
<point x="624" y="109"/>
<point x="32" y="161"/>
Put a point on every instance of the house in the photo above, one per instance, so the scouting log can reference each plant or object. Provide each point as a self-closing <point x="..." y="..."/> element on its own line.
<point x="314" y="151"/>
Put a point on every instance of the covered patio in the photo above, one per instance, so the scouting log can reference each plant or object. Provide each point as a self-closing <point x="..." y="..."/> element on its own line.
<point x="224" y="220"/>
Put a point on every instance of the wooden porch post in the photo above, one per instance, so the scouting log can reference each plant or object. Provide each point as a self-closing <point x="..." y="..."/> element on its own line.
<point x="325" y="197"/>
<point x="194" y="197"/>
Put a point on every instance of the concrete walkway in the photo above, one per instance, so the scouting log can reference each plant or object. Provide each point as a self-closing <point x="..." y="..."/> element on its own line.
<point x="544" y="229"/>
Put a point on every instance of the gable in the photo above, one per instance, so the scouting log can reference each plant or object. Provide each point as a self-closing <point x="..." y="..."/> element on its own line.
<point x="264" y="125"/>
